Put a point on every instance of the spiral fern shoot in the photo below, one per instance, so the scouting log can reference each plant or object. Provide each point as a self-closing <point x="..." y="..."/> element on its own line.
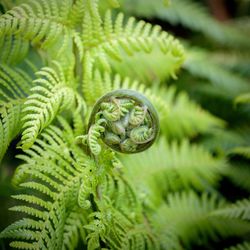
<point x="125" y="120"/>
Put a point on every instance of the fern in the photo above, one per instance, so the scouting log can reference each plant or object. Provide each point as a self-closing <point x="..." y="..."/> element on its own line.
<point x="185" y="166"/>
<point x="239" y="174"/>
<point x="244" y="98"/>
<point x="112" y="39"/>
<point x="149" y="68"/>
<point x="180" y="11"/>
<point x="53" y="171"/>
<point x="238" y="61"/>
<point x="9" y="125"/>
<point x="13" y="48"/>
<point x="184" y="211"/>
<point x="225" y="141"/>
<point x="51" y="95"/>
<point x="120" y="231"/>
<point x="229" y="83"/>
<point x="238" y="210"/>
<point x="244" y="151"/>
<point x="13" y="90"/>
<point x="48" y="27"/>
<point x="55" y="180"/>
<point x="31" y="21"/>
<point x="72" y="71"/>
<point x="242" y="246"/>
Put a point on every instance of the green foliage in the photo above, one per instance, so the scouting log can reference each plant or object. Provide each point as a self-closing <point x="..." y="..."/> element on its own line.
<point x="243" y="246"/>
<point x="51" y="95"/>
<point x="229" y="83"/>
<point x="29" y="22"/>
<point x="110" y="40"/>
<point x="180" y="11"/>
<point x="53" y="175"/>
<point x="239" y="174"/>
<point x="241" y="210"/>
<point x="186" y="166"/>
<point x="183" y="211"/>
<point x="15" y="87"/>
<point x="188" y="117"/>
<point x="57" y="58"/>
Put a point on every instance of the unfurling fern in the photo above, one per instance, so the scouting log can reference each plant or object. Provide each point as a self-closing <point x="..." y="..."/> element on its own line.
<point x="125" y="120"/>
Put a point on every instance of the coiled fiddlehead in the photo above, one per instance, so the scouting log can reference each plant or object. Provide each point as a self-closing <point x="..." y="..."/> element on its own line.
<point x="125" y="120"/>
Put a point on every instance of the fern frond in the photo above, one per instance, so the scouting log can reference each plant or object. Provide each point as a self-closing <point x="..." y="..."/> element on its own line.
<point x="180" y="11"/>
<point x="13" y="49"/>
<point x="238" y="210"/>
<point x="244" y="98"/>
<point x="239" y="175"/>
<point x="52" y="196"/>
<point x="75" y="13"/>
<point x="186" y="117"/>
<point x="224" y="141"/>
<point x="110" y="40"/>
<point x="244" y="151"/>
<point x="119" y="189"/>
<point x="114" y="3"/>
<point x="238" y="61"/>
<point x="242" y="246"/>
<point x="14" y="87"/>
<point x="6" y="5"/>
<point x="172" y="166"/>
<point x="231" y="84"/>
<point x="147" y="67"/>
<point x="42" y="23"/>
<point x="55" y="171"/>
<point x="120" y="230"/>
<point x="9" y="124"/>
<point x="185" y="211"/>
<point x="50" y="96"/>
<point x="73" y="229"/>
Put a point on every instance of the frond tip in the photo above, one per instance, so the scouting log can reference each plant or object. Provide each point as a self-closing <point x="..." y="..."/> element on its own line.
<point x="242" y="246"/>
<point x="238" y="210"/>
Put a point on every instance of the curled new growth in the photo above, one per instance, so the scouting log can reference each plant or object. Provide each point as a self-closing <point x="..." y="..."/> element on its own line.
<point x="125" y="120"/>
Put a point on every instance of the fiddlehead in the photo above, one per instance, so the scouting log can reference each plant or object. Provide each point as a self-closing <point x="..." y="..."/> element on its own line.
<point x="125" y="120"/>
